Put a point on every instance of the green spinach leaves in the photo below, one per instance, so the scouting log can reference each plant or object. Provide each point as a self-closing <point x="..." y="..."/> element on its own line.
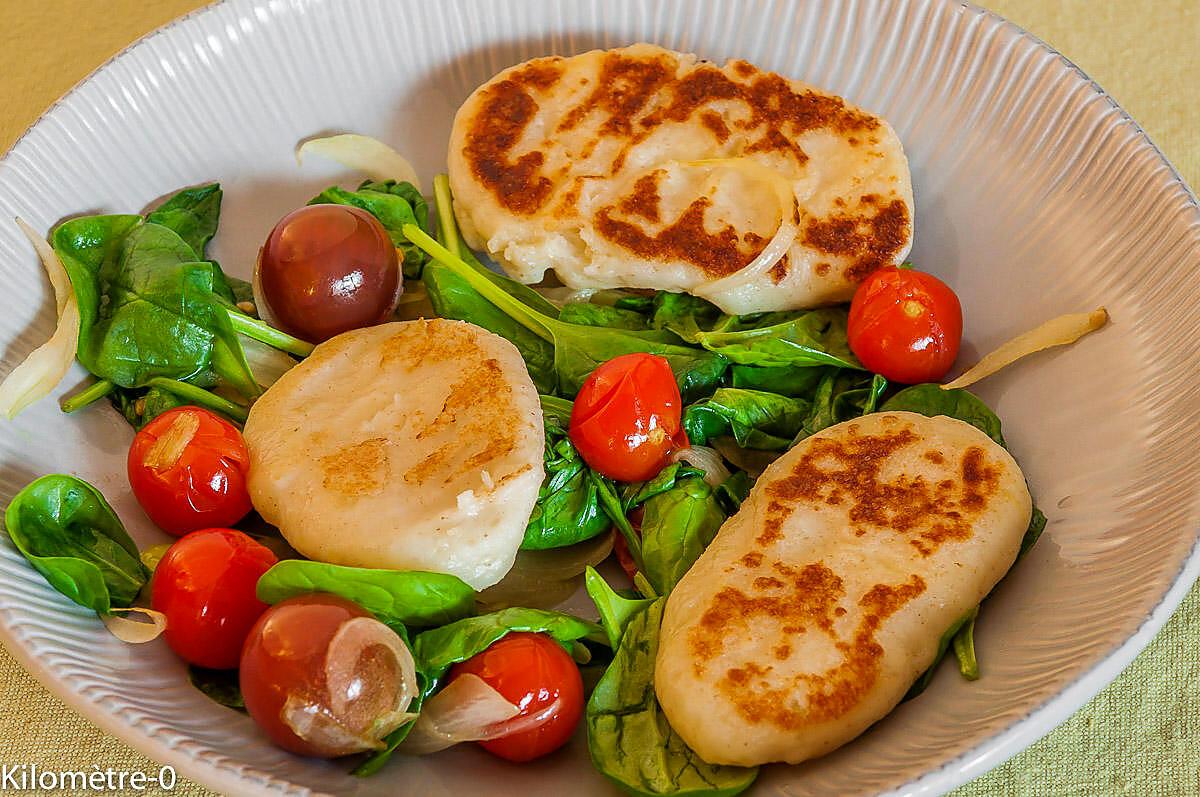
<point x="629" y="738"/>
<point x="405" y="597"/>
<point x="70" y="535"/>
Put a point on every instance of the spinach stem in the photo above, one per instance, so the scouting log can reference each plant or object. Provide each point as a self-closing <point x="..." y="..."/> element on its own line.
<point x="265" y="333"/>
<point x="964" y="648"/>
<point x="89" y="395"/>
<point x="200" y="397"/>
<point x="535" y="322"/>
<point x="445" y="211"/>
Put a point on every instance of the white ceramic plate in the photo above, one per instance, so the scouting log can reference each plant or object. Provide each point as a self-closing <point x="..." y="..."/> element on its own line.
<point x="1036" y="195"/>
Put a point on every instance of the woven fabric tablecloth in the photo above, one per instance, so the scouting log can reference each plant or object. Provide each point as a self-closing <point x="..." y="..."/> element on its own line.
<point x="1140" y="736"/>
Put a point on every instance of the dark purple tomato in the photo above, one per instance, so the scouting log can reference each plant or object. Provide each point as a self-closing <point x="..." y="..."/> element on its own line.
<point x="327" y="269"/>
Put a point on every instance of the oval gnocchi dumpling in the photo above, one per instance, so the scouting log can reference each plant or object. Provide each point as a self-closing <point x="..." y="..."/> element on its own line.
<point x="821" y="601"/>
<point x="413" y="445"/>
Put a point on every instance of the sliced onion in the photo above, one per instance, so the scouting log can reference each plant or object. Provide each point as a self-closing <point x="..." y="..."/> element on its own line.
<point x="561" y="295"/>
<point x="324" y="724"/>
<point x="364" y="154"/>
<point x="46" y="365"/>
<point x="1059" y="331"/>
<point x="134" y="631"/>
<point x="468" y="710"/>
<point x="544" y="579"/>
<point x="750" y="460"/>
<point x="266" y="362"/>
<point x="731" y="293"/>
<point x="706" y="459"/>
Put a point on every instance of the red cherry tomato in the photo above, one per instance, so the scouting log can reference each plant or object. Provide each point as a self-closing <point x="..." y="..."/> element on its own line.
<point x="626" y="419"/>
<point x="531" y="671"/>
<point x="318" y="686"/>
<point x="905" y="325"/>
<point x="327" y="269"/>
<point x="205" y="584"/>
<point x="187" y="468"/>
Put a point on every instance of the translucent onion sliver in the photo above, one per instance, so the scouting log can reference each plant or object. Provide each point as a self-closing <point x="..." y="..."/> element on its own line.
<point x="133" y="631"/>
<point x="706" y="459"/>
<point x="364" y="154"/>
<point x="46" y="365"/>
<point x="468" y="710"/>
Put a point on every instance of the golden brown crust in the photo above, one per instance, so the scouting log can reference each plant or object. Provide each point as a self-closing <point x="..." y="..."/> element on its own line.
<point x="360" y="469"/>
<point x="871" y="235"/>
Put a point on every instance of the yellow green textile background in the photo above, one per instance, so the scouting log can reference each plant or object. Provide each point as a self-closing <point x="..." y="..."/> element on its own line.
<point x="1140" y="736"/>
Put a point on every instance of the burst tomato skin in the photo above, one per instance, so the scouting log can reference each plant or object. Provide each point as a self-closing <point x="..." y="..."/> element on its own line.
<point x="905" y="325"/>
<point x="205" y="585"/>
<point x="531" y="671"/>
<point x="627" y="417"/>
<point x="188" y="468"/>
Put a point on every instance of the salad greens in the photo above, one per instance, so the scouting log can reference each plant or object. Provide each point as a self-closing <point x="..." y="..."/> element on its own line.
<point x="755" y="418"/>
<point x="615" y="610"/>
<point x="568" y="507"/>
<point x="219" y="686"/>
<point x="408" y="598"/>
<point x="70" y="535"/>
<point x="153" y="308"/>
<point x="394" y="204"/>
<point x="601" y="315"/>
<point x="677" y="526"/>
<point x="629" y="738"/>
<point x="578" y="350"/>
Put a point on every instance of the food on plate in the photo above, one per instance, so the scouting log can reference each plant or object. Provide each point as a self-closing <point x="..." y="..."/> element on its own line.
<point x="906" y="325"/>
<point x="204" y="584"/>
<point x="816" y="607"/>
<point x="646" y="168"/>
<point x="626" y="419"/>
<point x="187" y="468"/>
<point x="416" y="445"/>
<point x="326" y="269"/>
<point x="808" y="521"/>
<point x="533" y="672"/>
<point x="324" y="678"/>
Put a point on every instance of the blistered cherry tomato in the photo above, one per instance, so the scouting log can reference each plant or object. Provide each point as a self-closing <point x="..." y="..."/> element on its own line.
<point x="626" y="419"/>
<point x="187" y="468"/>
<point x="905" y="325"/>
<point x="532" y="672"/>
<point x="322" y="677"/>
<point x="205" y="584"/>
<point x="327" y="269"/>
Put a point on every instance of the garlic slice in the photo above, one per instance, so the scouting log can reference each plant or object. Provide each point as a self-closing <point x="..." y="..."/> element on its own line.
<point x="134" y="631"/>
<point x="1060" y="331"/>
<point x="46" y="365"/>
<point x="468" y="710"/>
<point x="362" y="153"/>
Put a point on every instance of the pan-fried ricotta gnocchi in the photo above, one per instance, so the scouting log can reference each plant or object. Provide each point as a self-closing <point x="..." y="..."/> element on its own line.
<point x="820" y="602"/>
<point x="410" y="446"/>
<point x="647" y="168"/>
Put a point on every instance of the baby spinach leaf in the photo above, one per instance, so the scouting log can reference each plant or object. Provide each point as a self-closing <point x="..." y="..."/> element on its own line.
<point x="815" y="337"/>
<point x="629" y="738"/>
<point x="964" y="650"/>
<point x="568" y="506"/>
<point x="408" y="597"/>
<point x="786" y="381"/>
<point x="685" y="315"/>
<point x="615" y="610"/>
<point x="577" y="350"/>
<point x="947" y="639"/>
<point x="931" y="400"/>
<point x="192" y="214"/>
<point x="756" y="419"/>
<point x="600" y="315"/>
<point x="1037" y="524"/>
<point x="635" y="302"/>
<point x="437" y="649"/>
<point x="394" y="205"/>
<point x="637" y="494"/>
<point x="840" y="396"/>
<point x="677" y="525"/>
<point x="70" y="535"/>
<point x="142" y="406"/>
<point x="453" y="297"/>
<point x="732" y="492"/>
